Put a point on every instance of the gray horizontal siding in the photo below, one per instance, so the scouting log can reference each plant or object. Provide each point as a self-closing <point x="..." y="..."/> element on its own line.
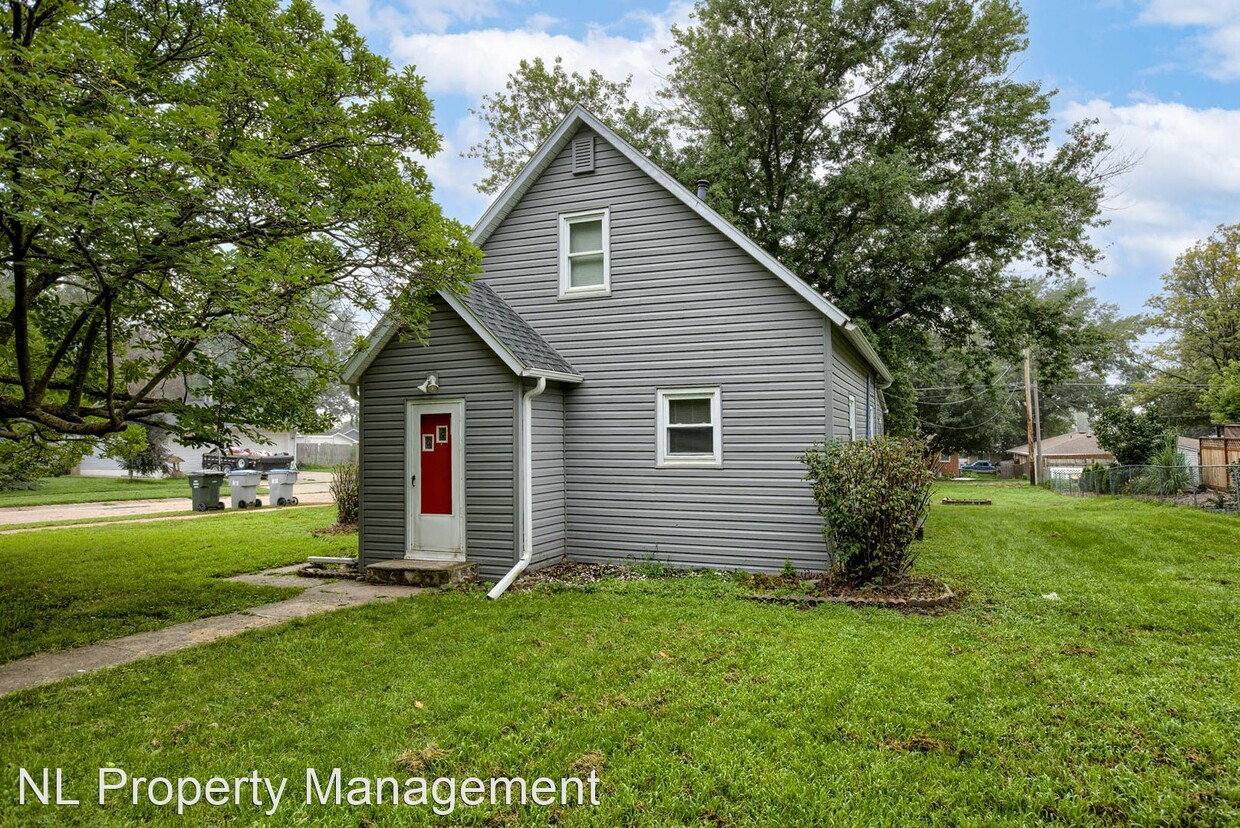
<point x="467" y="369"/>
<point x="550" y="509"/>
<point x="688" y="307"/>
<point x="850" y="372"/>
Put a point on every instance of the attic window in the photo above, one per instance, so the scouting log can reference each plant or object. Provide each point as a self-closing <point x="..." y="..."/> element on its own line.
<point x="583" y="154"/>
<point x="585" y="257"/>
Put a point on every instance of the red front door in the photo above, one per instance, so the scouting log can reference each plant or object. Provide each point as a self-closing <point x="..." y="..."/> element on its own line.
<point x="436" y="438"/>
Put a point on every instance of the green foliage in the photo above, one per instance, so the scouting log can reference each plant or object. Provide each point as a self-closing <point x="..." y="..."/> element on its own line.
<point x="1199" y="309"/>
<point x="536" y="98"/>
<point x="1133" y="438"/>
<point x="885" y="152"/>
<point x="1168" y="473"/>
<point x="189" y="189"/>
<point x="872" y="495"/>
<point x="346" y="488"/>
<point x="138" y="450"/>
<point x="32" y="453"/>
<point x="1222" y="399"/>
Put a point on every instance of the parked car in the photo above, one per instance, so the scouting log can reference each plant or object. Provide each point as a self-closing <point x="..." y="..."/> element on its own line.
<point x="981" y="467"/>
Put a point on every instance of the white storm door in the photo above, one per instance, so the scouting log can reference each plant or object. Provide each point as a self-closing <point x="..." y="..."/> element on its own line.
<point x="435" y="479"/>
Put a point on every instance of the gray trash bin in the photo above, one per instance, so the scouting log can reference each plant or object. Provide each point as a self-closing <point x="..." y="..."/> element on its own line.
<point x="280" y="483"/>
<point x="243" y="483"/>
<point x="204" y="490"/>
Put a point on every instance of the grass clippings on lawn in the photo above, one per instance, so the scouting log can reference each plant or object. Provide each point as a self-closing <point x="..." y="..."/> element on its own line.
<point x="1115" y="704"/>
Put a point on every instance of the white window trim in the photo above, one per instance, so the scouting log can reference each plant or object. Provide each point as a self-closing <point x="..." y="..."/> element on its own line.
<point x="567" y="291"/>
<point x="662" y="397"/>
<point x="852" y="417"/>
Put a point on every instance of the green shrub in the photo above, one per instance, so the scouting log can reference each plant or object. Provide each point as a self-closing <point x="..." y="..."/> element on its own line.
<point x="872" y="495"/>
<point x="346" y="491"/>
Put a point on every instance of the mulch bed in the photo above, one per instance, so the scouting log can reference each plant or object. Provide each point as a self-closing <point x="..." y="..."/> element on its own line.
<point x="913" y="592"/>
<point x="337" y="529"/>
<point x="573" y="574"/>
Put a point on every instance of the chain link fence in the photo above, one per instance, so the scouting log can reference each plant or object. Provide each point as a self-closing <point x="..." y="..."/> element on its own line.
<point x="1181" y="484"/>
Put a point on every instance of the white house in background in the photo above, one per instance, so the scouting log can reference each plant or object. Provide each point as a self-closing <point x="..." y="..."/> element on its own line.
<point x="1190" y="450"/>
<point x="281" y="442"/>
<point x="344" y="434"/>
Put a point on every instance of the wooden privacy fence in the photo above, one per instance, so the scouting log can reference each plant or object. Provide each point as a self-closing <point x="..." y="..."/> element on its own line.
<point x="1217" y="453"/>
<point x="325" y="454"/>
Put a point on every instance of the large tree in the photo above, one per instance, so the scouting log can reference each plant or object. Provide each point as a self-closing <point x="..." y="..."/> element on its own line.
<point x="187" y="187"/>
<point x="885" y="152"/>
<point x="1199" y="311"/>
<point x="537" y="97"/>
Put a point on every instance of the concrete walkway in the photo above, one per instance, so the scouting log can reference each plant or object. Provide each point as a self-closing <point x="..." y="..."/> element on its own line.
<point x="321" y="597"/>
<point x="311" y="489"/>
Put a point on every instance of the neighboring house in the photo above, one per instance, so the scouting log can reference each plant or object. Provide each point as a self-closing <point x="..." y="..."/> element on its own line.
<point x="1074" y="450"/>
<point x="1190" y="450"/>
<point x="341" y="435"/>
<point x="96" y="465"/>
<point x="628" y="377"/>
<point x="949" y="465"/>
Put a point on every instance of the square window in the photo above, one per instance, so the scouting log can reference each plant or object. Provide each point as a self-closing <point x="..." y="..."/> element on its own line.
<point x="689" y="427"/>
<point x="585" y="263"/>
<point x="428" y="442"/>
<point x="441" y="434"/>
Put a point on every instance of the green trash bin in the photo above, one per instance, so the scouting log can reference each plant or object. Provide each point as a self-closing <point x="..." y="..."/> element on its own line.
<point x="204" y="489"/>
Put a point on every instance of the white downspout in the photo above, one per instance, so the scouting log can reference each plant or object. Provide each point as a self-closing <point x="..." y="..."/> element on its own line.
<point x="527" y="489"/>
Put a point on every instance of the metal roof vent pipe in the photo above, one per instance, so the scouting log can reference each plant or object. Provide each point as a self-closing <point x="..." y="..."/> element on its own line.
<point x="702" y="186"/>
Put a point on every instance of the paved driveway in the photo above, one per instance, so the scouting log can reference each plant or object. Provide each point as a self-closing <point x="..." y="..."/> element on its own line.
<point x="312" y="487"/>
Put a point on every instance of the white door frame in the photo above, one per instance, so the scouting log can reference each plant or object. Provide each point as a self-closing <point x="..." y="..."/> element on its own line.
<point x="414" y="409"/>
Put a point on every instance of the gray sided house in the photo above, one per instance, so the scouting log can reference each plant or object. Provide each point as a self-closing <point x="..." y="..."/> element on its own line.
<point x="629" y="377"/>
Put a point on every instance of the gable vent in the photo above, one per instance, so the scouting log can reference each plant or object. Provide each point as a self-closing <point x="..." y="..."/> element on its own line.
<point x="583" y="154"/>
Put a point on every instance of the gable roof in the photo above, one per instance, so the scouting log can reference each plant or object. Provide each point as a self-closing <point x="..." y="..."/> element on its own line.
<point x="519" y="346"/>
<point x="1072" y="444"/>
<point x="579" y="116"/>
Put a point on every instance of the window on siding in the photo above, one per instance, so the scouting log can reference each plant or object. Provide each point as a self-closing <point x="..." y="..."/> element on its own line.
<point x="689" y="425"/>
<point x="585" y="256"/>
<point x="852" y="417"/>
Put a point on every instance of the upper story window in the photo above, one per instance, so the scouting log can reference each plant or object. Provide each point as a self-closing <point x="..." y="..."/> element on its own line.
<point x="689" y="427"/>
<point x="585" y="256"/>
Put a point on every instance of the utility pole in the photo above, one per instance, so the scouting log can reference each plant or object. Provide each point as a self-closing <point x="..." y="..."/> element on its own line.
<point x="1037" y="428"/>
<point x="1033" y="474"/>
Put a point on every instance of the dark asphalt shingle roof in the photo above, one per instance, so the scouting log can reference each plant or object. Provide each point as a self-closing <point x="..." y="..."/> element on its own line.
<point x="524" y="342"/>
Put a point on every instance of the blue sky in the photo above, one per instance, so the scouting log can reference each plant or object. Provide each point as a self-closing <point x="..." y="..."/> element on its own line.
<point x="1162" y="76"/>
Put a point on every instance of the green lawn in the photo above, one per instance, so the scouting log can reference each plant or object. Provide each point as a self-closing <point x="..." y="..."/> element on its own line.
<point x="66" y="587"/>
<point x="72" y="489"/>
<point x="1119" y="703"/>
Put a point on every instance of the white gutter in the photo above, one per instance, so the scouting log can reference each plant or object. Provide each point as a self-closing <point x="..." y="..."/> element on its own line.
<point x="527" y="489"/>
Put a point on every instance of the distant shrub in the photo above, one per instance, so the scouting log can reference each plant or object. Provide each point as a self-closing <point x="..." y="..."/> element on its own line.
<point x="872" y="495"/>
<point x="346" y="491"/>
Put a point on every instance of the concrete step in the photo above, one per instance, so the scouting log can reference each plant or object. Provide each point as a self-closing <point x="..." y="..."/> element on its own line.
<point x="422" y="573"/>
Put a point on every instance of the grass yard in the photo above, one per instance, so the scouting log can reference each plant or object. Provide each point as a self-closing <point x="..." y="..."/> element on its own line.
<point x="72" y="489"/>
<point x="67" y="587"/>
<point x="1118" y="703"/>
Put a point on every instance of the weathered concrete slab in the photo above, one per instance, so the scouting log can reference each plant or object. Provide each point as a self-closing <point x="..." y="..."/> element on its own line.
<point x="421" y="573"/>
<point x="318" y="598"/>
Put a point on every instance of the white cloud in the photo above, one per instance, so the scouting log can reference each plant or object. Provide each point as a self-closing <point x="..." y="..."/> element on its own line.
<point x="376" y="18"/>
<point x="474" y="63"/>
<point x="1218" y="44"/>
<point x="1187" y="181"/>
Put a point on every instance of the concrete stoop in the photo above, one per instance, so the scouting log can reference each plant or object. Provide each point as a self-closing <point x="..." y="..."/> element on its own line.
<point x="422" y="573"/>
